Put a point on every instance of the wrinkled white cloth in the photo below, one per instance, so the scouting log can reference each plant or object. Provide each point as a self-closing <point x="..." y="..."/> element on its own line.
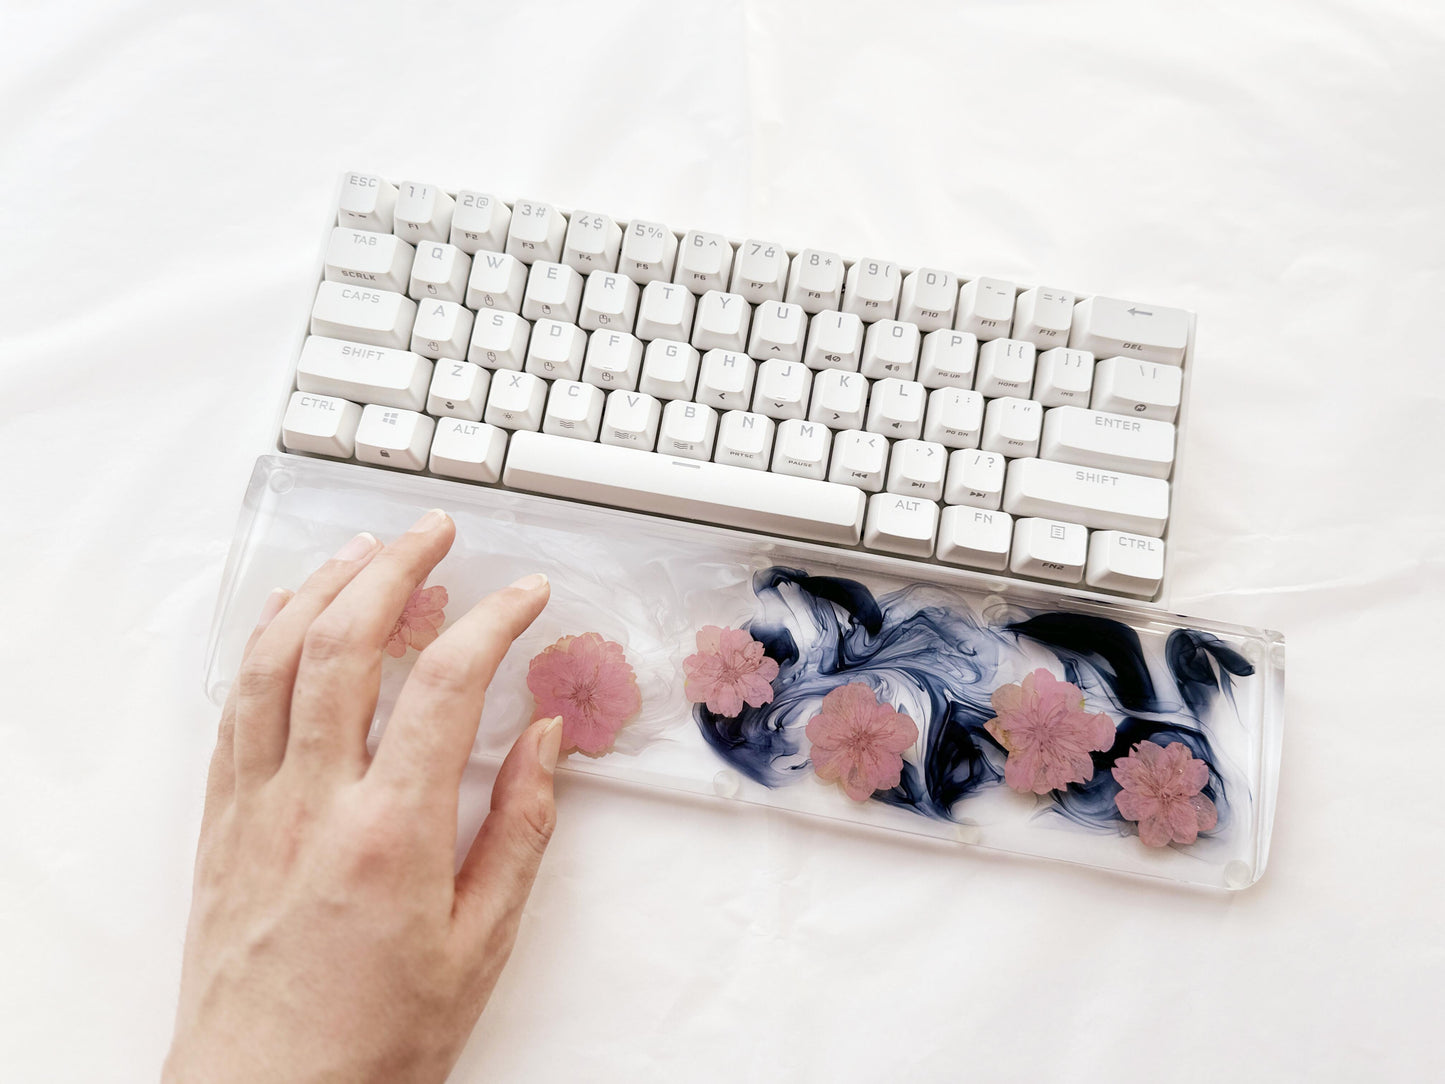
<point x="166" y="173"/>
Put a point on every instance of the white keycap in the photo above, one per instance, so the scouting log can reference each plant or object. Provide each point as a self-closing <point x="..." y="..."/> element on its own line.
<point x="916" y="468"/>
<point x="947" y="359"/>
<point x="1091" y="438"/>
<point x="479" y="223"/>
<point x="369" y="258"/>
<point x="1142" y="389"/>
<point x="470" y="450"/>
<point x="744" y="440"/>
<point x="614" y="360"/>
<point x="498" y="281"/>
<point x="815" y="280"/>
<point x="896" y="408"/>
<point x="320" y="424"/>
<point x="722" y="322"/>
<point x="556" y="350"/>
<point x="782" y="389"/>
<point x="687" y="430"/>
<point x="499" y="340"/>
<point x="704" y="261"/>
<point x="609" y="301"/>
<point x="1128" y="563"/>
<point x="975" y="538"/>
<point x="1104" y="500"/>
<point x="779" y="330"/>
<point x="975" y="478"/>
<point x="443" y="329"/>
<point x="1005" y="367"/>
<point x="458" y="390"/>
<point x="423" y="213"/>
<point x="985" y="308"/>
<point x="890" y="349"/>
<point x="711" y="492"/>
<point x="839" y="399"/>
<point x="366" y="203"/>
<point x="554" y="291"/>
<point x="649" y="253"/>
<point x="665" y="312"/>
<point x="1011" y="427"/>
<point x="630" y="420"/>
<point x="760" y="271"/>
<point x="859" y="459"/>
<point x="1049" y="550"/>
<point x="899" y="524"/>
<point x="515" y="400"/>
<point x="592" y="243"/>
<point x="394" y="438"/>
<point x="439" y="272"/>
<point x="536" y="231"/>
<point x="363" y="374"/>
<point x="929" y="299"/>
<point x="1042" y="316"/>
<point x="725" y="380"/>
<point x="574" y="410"/>
<point x="669" y="369"/>
<point x="871" y="290"/>
<point x="357" y="314"/>
<point x="954" y="418"/>
<point x="801" y="449"/>
<point x="835" y="341"/>
<point x="1107" y="327"/>
<point x="1063" y="377"/>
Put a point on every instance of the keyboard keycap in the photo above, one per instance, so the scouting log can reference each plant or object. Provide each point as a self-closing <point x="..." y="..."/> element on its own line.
<point x="649" y="253"/>
<point x="363" y="374"/>
<point x="859" y="459"/>
<point x="1005" y="367"/>
<point x="366" y="203"/>
<point x="499" y="340"/>
<point x="975" y="478"/>
<point x="479" y="222"/>
<point x="630" y="420"/>
<point x="1106" y="327"/>
<point x="929" y="299"/>
<point x="574" y="410"/>
<point x="1094" y="439"/>
<point x="721" y="322"/>
<point x="614" y="360"/>
<point x="1049" y="550"/>
<point x="443" y="329"/>
<point x="711" y="492"/>
<point x="725" y="380"/>
<point x="898" y="524"/>
<point x="536" y="232"/>
<point x="871" y="290"/>
<point x="760" y="271"/>
<point x="369" y="258"/>
<point x="554" y="291"/>
<point x="1042" y="316"/>
<point x="423" y="213"/>
<point x="320" y="424"/>
<point x="1104" y="500"/>
<point x="1127" y="563"/>
<point x="665" y="312"/>
<point x="890" y="349"/>
<point x="1139" y="388"/>
<point x="954" y="418"/>
<point x="975" y="538"/>
<point x="498" y="281"/>
<point x="985" y="308"/>
<point x="838" y="399"/>
<point x="1064" y="377"/>
<point x="394" y="438"/>
<point x="458" y="390"/>
<point x="896" y="408"/>
<point x="439" y="272"/>
<point x="376" y="317"/>
<point x="556" y="350"/>
<point x="609" y="301"/>
<point x="835" y="341"/>
<point x="669" y="369"/>
<point x="1011" y="427"/>
<point x="916" y="469"/>
<point x="815" y="281"/>
<point x="592" y="243"/>
<point x="801" y="449"/>
<point x="704" y="261"/>
<point x="470" y="450"/>
<point x="779" y="330"/>
<point x="947" y="359"/>
<point x="744" y="440"/>
<point x="516" y="401"/>
<point x="782" y="389"/>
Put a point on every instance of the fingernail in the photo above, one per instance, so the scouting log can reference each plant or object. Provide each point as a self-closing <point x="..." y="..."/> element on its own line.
<point x="535" y="582"/>
<point x="357" y="548"/>
<point x="429" y="522"/>
<point x="549" y="745"/>
<point x="272" y="606"/>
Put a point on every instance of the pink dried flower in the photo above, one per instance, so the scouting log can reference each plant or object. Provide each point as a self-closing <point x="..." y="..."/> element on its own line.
<point x="420" y="621"/>
<point x="728" y="670"/>
<point x="1042" y="723"/>
<point x="1161" y="793"/>
<point x="858" y="741"/>
<point x="586" y="680"/>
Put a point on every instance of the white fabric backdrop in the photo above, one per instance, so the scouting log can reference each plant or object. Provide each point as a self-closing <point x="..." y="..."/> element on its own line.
<point x="165" y="174"/>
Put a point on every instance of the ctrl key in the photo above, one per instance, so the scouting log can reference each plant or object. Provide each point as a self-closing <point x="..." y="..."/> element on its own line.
<point x="394" y="438"/>
<point x="320" y="425"/>
<point x="1127" y="563"/>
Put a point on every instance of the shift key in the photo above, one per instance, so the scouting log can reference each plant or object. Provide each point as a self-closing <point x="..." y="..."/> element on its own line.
<point x="1101" y="499"/>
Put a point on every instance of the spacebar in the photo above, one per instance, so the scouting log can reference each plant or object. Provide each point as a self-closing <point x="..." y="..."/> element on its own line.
<point x="714" y="492"/>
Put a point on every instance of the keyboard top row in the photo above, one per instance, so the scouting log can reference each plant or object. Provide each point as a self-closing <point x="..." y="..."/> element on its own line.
<point x="973" y="422"/>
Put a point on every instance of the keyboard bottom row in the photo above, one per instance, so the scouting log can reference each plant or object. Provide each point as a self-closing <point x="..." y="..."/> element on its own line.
<point x="1036" y="546"/>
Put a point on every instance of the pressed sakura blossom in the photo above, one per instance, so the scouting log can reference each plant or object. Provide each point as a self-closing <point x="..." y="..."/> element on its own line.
<point x="1042" y="723"/>
<point x="1161" y="793"/>
<point x="420" y="621"/>
<point x="858" y="742"/>
<point x="728" y="671"/>
<point x="586" y="680"/>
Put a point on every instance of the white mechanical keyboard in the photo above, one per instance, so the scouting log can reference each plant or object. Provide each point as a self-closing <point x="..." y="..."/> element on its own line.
<point x="1022" y="430"/>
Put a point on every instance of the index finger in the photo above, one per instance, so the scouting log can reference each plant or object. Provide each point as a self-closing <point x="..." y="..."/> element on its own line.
<point x="426" y="744"/>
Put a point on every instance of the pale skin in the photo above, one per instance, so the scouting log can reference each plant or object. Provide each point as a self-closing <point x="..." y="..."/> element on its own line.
<point x="331" y="935"/>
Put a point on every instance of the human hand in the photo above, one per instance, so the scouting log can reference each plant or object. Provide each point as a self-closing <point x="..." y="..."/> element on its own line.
<point x="331" y="937"/>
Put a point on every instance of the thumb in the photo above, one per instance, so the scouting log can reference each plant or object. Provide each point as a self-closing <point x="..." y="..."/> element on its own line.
<point x="497" y="874"/>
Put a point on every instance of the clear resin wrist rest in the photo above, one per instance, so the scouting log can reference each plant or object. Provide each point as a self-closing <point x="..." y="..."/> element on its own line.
<point x="914" y="698"/>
